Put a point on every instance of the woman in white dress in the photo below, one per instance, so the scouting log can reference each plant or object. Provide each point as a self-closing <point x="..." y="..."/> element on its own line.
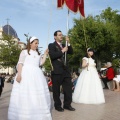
<point x="88" y="89"/>
<point x="30" y="97"/>
<point x="116" y="83"/>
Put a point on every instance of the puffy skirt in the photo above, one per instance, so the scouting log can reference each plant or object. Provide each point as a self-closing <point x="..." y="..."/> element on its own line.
<point x="30" y="99"/>
<point x="89" y="89"/>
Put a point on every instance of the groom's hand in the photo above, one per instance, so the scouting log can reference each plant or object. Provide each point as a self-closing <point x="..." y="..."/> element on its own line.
<point x="65" y="49"/>
<point x="67" y="39"/>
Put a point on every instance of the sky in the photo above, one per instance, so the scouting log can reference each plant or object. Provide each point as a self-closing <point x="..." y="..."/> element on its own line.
<point x="41" y="18"/>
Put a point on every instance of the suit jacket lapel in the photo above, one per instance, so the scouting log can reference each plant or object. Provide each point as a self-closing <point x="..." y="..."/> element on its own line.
<point x="57" y="46"/>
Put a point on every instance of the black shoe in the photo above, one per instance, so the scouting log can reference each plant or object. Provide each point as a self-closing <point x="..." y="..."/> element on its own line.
<point x="69" y="108"/>
<point x="60" y="109"/>
<point x="105" y="88"/>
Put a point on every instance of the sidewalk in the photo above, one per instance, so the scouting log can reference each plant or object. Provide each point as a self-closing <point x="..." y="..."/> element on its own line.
<point x="108" y="111"/>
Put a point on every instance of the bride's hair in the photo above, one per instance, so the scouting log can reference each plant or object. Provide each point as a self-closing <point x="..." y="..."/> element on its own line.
<point x="28" y="46"/>
<point x="93" y="56"/>
<point x="90" y="49"/>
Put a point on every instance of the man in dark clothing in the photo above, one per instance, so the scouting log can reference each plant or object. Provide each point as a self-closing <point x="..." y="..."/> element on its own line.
<point x="1" y="84"/>
<point x="60" y="74"/>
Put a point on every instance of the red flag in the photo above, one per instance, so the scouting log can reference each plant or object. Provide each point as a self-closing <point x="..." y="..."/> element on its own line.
<point x="81" y="7"/>
<point x="73" y="5"/>
<point x="60" y="3"/>
<point x="76" y="5"/>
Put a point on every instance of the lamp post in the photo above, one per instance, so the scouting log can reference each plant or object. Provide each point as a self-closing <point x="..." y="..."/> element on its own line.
<point x="27" y="36"/>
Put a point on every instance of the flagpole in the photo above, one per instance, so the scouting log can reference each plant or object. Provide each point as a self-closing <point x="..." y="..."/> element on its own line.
<point x="84" y="36"/>
<point x="49" y="25"/>
<point x="67" y="35"/>
<point x="84" y="30"/>
<point x="68" y="21"/>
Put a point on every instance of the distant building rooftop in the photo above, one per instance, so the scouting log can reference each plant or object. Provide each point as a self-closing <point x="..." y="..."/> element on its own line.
<point x="7" y="29"/>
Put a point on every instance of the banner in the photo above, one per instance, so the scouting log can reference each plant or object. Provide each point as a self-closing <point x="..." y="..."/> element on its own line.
<point x="60" y="3"/>
<point x="73" y="5"/>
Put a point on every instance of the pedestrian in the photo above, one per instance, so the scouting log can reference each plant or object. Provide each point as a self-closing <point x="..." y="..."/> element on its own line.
<point x="110" y="74"/>
<point x="1" y="84"/>
<point x="60" y="74"/>
<point x="116" y="83"/>
<point x="30" y="97"/>
<point x="89" y="89"/>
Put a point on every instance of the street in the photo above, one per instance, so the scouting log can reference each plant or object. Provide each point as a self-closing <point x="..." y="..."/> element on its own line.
<point x="108" y="111"/>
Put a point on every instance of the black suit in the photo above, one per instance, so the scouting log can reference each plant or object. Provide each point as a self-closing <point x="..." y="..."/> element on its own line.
<point x="60" y="74"/>
<point x="1" y="85"/>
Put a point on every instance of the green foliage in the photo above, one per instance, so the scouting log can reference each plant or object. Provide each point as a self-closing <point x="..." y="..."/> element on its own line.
<point x="101" y="32"/>
<point x="109" y="14"/>
<point x="116" y="62"/>
<point x="47" y="65"/>
<point x="9" y="51"/>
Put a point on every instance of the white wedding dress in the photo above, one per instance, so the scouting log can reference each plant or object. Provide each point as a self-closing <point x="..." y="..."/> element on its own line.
<point x="89" y="89"/>
<point x="30" y="99"/>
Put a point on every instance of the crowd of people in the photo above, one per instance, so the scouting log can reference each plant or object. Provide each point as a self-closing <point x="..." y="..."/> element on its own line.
<point x="110" y="76"/>
<point x="107" y="77"/>
<point x="5" y="77"/>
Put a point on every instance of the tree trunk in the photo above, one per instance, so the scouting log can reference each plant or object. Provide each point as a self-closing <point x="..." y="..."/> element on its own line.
<point x="98" y="64"/>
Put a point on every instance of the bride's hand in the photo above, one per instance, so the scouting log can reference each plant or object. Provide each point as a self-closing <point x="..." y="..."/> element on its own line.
<point x="87" y="64"/>
<point x="18" y="79"/>
<point x="46" y="52"/>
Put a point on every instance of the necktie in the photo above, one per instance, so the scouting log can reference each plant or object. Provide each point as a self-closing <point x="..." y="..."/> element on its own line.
<point x="61" y="46"/>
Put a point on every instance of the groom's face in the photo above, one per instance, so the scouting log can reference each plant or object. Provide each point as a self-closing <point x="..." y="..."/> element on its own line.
<point x="59" y="36"/>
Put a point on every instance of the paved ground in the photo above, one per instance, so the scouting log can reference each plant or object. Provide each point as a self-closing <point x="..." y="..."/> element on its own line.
<point x="108" y="111"/>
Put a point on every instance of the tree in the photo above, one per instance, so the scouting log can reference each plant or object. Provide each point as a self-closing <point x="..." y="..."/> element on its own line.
<point x="47" y="65"/>
<point x="9" y="51"/>
<point x="109" y="14"/>
<point x="112" y="16"/>
<point x="100" y="33"/>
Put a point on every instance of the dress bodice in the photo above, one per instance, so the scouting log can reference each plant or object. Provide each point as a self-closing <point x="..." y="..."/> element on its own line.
<point x="90" y="61"/>
<point x="32" y="59"/>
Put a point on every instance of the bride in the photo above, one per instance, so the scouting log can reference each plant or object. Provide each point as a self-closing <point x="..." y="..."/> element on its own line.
<point x="88" y="89"/>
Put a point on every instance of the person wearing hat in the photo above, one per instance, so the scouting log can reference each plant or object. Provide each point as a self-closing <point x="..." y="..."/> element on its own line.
<point x="30" y="97"/>
<point x="88" y="89"/>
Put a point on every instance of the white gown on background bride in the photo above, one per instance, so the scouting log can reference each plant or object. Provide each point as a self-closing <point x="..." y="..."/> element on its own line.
<point x="30" y="99"/>
<point x="89" y="89"/>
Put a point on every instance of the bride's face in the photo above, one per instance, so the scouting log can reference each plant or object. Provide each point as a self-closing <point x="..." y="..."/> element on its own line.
<point x="90" y="53"/>
<point x="34" y="45"/>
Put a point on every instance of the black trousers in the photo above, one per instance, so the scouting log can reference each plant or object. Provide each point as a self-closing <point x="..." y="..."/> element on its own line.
<point x="1" y="90"/>
<point x="57" y="81"/>
<point x="105" y="80"/>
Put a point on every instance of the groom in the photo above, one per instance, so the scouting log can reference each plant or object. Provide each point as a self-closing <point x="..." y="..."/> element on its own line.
<point x="60" y="74"/>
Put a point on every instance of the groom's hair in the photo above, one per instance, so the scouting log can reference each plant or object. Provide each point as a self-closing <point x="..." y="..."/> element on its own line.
<point x="55" y="33"/>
